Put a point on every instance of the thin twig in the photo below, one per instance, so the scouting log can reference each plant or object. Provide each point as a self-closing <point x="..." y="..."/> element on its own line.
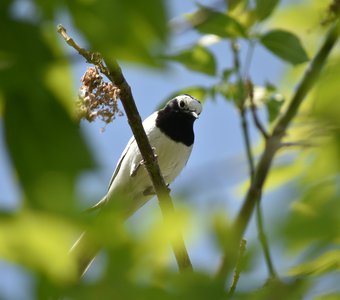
<point x="272" y="145"/>
<point x="264" y="241"/>
<point x="301" y="144"/>
<point x="250" y="159"/>
<point x="238" y="267"/>
<point x="259" y="214"/>
<point x="259" y="218"/>
<point x="249" y="58"/>
<point x="256" y="119"/>
<point x="114" y="73"/>
<point x="247" y="143"/>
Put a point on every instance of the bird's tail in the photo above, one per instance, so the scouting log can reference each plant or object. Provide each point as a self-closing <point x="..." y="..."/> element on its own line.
<point x="87" y="246"/>
<point x="84" y="252"/>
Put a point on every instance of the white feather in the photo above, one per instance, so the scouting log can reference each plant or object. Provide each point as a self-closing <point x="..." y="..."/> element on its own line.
<point x="130" y="177"/>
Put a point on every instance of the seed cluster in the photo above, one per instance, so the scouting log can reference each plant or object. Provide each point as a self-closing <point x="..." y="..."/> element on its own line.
<point x="97" y="98"/>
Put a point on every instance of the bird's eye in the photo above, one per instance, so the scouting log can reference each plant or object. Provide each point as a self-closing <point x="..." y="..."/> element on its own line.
<point x="181" y="104"/>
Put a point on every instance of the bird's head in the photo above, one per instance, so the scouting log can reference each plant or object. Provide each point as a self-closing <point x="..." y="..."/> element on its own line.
<point x="186" y="104"/>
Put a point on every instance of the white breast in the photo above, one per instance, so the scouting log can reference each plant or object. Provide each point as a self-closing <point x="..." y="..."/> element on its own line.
<point x="171" y="156"/>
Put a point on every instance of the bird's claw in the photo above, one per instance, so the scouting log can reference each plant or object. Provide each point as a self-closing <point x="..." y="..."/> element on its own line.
<point x="154" y="152"/>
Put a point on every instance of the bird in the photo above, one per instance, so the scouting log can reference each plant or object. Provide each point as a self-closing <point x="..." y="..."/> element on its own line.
<point x="170" y="131"/>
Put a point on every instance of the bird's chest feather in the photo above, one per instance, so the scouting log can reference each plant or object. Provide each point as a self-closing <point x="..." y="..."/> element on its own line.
<point x="172" y="157"/>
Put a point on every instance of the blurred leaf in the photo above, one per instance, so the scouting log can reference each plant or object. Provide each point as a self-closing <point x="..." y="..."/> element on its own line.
<point x="195" y="285"/>
<point x="232" y="91"/>
<point x="197" y="58"/>
<point x="40" y="242"/>
<point x="273" y="105"/>
<point x="19" y="65"/>
<point x="326" y="94"/>
<point x="330" y="296"/>
<point x="325" y="263"/>
<point x="206" y="20"/>
<point x="232" y="4"/>
<point x="128" y="30"/>
<point x="293" y="291"/>
<point x="316" y="216"/>
<point x="264" y="8"/>
<point x="44" y="144"/>
<point x="285" y="45"/>
<point x="222" y="229"/>
<point x="227" y="73"/>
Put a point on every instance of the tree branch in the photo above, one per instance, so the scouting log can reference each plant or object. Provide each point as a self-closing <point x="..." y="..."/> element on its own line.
<point x="256" y="119"/>
<point x="272" y="145"/>
<point x="245" y="131"/>
<point x="114" y="73"/>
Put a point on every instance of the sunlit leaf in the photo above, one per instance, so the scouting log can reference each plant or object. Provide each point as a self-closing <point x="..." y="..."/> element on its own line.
<point x="316" y="216"/>
<point x="40" y="242"/>
<point x="232" y="4"/>
<point x="326" y="93"/>
<point x="206" y="20"/>
<point x="127" y="30"/>
<point x="330" y="296"/>
<point x="264" y="8"/>
<point x="285" y="45"/>
<point x="325" y="263"/>
<point x="197" y="58"/>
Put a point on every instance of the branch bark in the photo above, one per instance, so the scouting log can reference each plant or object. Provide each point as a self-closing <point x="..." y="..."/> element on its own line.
<point x="272" y="145"/>
<point x="113" y="72"/>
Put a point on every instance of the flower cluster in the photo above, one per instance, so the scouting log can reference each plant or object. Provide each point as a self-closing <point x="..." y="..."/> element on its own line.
<point x="97" y="98"/>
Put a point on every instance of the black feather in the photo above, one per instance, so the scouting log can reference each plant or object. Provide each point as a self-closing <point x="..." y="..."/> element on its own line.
<point x="176" y="123"/>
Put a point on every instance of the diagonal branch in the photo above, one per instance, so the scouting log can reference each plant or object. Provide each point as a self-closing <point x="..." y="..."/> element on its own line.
<point x="113" y="72"/>
<point x="272" y="145"/>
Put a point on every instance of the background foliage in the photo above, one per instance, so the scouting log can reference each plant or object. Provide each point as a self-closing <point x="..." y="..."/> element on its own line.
<point x="48" y="151"/>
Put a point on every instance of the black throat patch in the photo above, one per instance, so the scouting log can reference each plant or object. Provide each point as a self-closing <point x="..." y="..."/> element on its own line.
<point x="176" y="124"/>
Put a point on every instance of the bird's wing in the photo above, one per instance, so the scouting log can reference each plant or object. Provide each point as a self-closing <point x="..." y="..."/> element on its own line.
<point x="119" y="163"/>
<point x="148" y="125"/>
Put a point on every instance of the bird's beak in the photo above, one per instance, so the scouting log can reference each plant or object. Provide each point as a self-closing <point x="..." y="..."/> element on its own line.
<point x="193" y="113"/>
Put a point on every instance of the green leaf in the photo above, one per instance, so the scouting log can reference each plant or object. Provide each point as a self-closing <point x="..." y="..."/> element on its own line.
<point x="285" y="45"/>
<point x="330" y="296"/>
<point x="233" y="3"/>
<point x="273" y="105"/>
<point x="197" y="58"/>
<point x="232" y="91"/>
<point x="206" y="20"/>
<point x="264" y="8"/>
<point x="325" y="263"/>
<point x="45" y="144"/>
<point x="129" y="30"/>
<point x="41" y="242"/>
<point x="227" y="73"/>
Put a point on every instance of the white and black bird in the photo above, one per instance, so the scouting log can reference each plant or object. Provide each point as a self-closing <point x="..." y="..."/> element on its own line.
<point x="171" y="135"/>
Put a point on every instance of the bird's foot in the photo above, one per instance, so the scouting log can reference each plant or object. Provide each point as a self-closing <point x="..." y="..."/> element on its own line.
<point x="154" y="151"/>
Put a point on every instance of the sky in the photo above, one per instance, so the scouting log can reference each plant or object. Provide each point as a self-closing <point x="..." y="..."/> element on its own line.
<point x="215" y="169"/>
